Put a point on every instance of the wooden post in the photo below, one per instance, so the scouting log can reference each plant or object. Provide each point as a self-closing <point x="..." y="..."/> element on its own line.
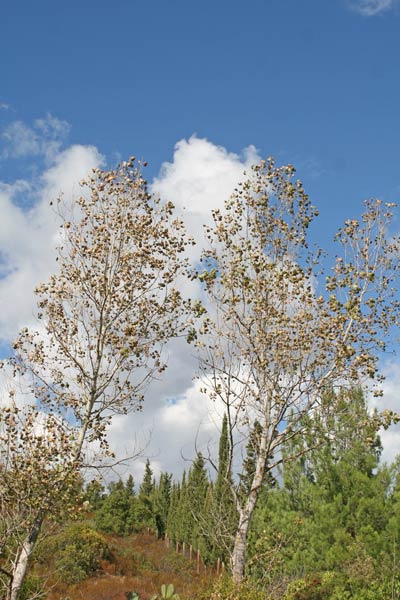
<point x="183" y="548"/>
<point x="177" y="547"/>
<point x="198" y="562"/>
<point x="223" y="567"/>
<point x="190" y="552"/>
<point x="218" y="565"/>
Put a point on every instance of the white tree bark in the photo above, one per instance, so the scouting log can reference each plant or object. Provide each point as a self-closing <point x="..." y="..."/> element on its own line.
<point x="21" y="564"/>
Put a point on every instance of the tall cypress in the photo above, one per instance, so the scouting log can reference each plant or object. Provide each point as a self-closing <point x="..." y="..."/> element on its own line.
<point x="221" y="507"/>
<point x="145" y="511"/>
<point x="162" y="498"/>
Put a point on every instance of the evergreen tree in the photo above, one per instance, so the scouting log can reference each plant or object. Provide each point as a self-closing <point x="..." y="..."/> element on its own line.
<point x="162" y="499"/>
<point x="195" y="502"/>
<point x="224" y="475"/>
<point x="130" y="486"/>
<point x="331" y="512"/>
<point x="145" y="510"/>
<point x="116" y="514"/>
<point x="220" y="508"/>
<point x="94" y="494"/>
<point x="249" y="464"/>
<point x="173" y="513"/>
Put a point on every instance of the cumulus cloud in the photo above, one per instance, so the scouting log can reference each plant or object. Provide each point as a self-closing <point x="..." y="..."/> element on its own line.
<point x="370" y="8"/>
<point x="201" y="177"/>
<point x="28" y="237"/>
<point x="176" y="417"/>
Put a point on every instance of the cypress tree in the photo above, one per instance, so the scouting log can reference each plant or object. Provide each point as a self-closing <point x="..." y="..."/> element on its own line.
<point x="196" y="495"/>
<point x="162" y="499"/>
<point x="130" y="486"/>
<point x="221" y="513"/>
<point x="145" y="509"/>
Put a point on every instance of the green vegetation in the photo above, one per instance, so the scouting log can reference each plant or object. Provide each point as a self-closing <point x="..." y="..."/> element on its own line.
<point x="75" y="553"/>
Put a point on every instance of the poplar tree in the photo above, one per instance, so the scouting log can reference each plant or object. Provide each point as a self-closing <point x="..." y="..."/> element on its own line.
<point x="104" y="318"/>
<point x="281" y="330"/>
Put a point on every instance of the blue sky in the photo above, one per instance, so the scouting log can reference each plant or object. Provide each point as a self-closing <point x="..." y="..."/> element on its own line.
<point x="312" y="82"/>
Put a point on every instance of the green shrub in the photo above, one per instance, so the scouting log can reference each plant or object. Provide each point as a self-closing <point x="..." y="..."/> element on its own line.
<point x="78" y="552"/>
<point x="319" y="586"/>
<point x="32" y="588"/>
<point x="225" y="589"/>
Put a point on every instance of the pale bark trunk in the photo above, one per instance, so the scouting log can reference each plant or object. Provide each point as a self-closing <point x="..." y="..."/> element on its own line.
<point x="21" y="565"/>
<point x="238" y="559"/>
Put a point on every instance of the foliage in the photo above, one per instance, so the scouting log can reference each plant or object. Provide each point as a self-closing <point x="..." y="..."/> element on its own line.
<point x="33" y="587"/>
<point x="281" y="332"/>
<point x="104" y="318"/>
<point x="225" y="589"/>
<point x="145" y="510"/>
<point x="117" y="511"/>
<point x="167" y="593"/>
<point x="77" y="552"/>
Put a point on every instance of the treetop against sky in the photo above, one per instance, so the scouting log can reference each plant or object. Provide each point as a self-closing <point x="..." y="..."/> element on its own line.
<point x="200" y="91"/>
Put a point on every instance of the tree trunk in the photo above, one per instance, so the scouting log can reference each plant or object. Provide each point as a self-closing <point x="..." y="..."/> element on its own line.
<point x="238" y="559"/>
<point x="21" y="564"/>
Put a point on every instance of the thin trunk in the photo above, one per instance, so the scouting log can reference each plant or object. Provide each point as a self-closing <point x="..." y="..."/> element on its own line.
<point x="238" y="558"/>
<point x="21" y="564"/>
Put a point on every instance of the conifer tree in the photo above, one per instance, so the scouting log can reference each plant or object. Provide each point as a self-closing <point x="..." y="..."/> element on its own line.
<point x="162" y="499"/>
<point x="94" y="494"/>
<point x="220" y="510"/>
<point x="116" y="514"/>
<point x="173" y="513"/>
<point x="130" y="485"/>
<point x="195" y="501"/>
<point x="182" y="528"/>
<point x="145" y="509"/>
<point x="331" y="511"/>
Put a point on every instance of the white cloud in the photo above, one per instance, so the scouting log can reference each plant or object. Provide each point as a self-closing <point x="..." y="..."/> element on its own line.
<point x="28" y="238"/>
<point x="390" y="401"/>
<point x="44" y="138"/>
<point x="176" y="415"/>
<point x="201" y="177"/>
<point x="370" y="8"/>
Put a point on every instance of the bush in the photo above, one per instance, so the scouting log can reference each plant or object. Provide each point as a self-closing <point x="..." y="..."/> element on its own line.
<point x="336" y="586"/>
<point x="225" y="589"/>
<point x="32" y="588"/>
<point x="78" y="552"/>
